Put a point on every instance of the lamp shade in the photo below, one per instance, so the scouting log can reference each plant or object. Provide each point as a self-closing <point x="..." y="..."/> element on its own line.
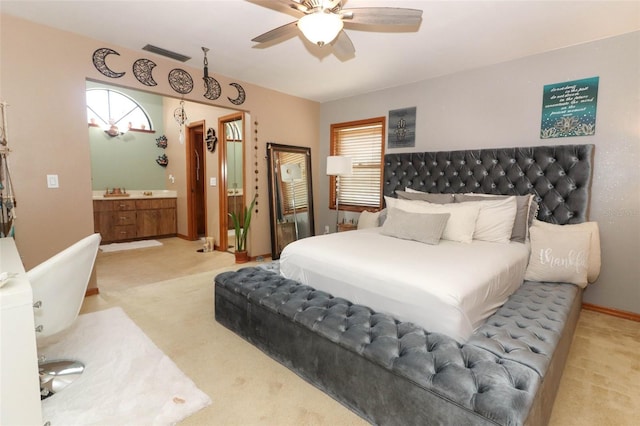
<point x="339" y="165"/>
<point x="320" y="27"/>
<point x="290" y="172"/>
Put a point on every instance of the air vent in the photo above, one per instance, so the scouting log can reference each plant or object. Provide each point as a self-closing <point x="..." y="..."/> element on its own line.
<point x="167" y="53"/>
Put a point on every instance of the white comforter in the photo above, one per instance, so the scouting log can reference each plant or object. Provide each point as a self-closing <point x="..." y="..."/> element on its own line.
<point x="449" y="288"/>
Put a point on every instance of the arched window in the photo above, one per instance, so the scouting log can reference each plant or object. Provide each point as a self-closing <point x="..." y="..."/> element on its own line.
<point x="115" y="112"/>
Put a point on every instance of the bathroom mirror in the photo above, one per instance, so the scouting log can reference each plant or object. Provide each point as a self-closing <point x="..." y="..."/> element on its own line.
<point x="290" y="195"/>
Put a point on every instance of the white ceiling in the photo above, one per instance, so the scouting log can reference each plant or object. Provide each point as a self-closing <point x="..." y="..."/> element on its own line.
<point x="454" y="36"/>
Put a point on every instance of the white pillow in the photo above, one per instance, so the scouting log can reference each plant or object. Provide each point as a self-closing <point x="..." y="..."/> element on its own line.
<point x="595" y="261"/>
<point x="526" y="211"/>
<point x="558" y="254"/>
<point x="495" y="219"/>
<point x="461" y="223"/>
<point x="368" y="220"/>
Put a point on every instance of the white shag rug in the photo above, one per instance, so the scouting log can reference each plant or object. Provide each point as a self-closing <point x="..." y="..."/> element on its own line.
<point x="127" y="379"/>
<point x="130" y="245"/>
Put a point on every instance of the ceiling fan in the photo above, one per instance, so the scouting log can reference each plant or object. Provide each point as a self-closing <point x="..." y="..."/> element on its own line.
<point x="322" y="22"/>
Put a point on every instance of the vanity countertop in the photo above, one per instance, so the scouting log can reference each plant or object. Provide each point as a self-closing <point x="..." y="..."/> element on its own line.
<point x="137" y="195"/>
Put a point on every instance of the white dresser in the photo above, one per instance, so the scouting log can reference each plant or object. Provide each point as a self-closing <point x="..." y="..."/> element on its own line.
<point x="19" y="383"/>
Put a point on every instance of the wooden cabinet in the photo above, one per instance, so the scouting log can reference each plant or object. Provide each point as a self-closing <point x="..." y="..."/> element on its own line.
<point x="115" y="219"/>
<point x="118" y="220"/>
<point x="156" y="217"/>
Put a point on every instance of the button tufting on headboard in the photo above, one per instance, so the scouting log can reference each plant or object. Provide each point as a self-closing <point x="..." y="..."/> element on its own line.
<point x="559" y="176"/>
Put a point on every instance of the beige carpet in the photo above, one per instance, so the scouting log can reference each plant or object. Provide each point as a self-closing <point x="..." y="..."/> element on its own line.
<point x="601" y="385"/>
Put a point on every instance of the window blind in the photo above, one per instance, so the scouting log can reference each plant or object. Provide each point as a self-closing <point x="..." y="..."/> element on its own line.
<point x="363" y="141"/>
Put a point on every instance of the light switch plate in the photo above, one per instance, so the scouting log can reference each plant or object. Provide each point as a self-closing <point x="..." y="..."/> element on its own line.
<point x="52" y="181"/>
<point x="213" y="181"/>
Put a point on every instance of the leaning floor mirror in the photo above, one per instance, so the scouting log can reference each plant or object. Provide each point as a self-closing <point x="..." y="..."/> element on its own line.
<point x="290" y="195"/>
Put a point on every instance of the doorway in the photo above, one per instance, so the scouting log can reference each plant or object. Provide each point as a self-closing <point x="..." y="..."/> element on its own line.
<point x="231" y="159"/>
<point x="196" y="185"/>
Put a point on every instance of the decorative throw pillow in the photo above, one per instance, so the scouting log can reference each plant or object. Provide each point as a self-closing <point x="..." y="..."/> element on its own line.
<point x="526" y="210"/>
<point x="495" y="219"/>
<point x="425" y="196"/>
<point x="368" y="219"/>
<point x="558" y="255"/>
<point x="461" y="223"/>
<point x="422" y="227"/>
<point x="595" y="261"/>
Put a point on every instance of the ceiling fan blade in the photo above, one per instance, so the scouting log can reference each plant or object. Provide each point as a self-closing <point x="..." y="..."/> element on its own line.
<point x="330" y="4"/>
<point x="293" y="7"/>
<point x="343" y="46"/>
<point x="276" y="33"/>
<point x="296" y="4"/>
<point x="382" y="16"/>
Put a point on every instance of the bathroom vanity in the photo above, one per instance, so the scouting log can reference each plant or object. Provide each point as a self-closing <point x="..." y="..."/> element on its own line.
<point x="135" y="215"/>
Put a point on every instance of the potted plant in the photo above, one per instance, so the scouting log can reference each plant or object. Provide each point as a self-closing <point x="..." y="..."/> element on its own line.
<point x="242" y="229"/>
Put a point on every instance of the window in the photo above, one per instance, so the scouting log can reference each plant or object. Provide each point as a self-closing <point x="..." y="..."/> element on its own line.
<point x="363" y="141"/>
<point x="107" y="107"/>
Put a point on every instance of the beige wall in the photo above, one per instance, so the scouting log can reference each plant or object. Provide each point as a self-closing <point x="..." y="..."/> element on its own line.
<point x="501" y="106"/>
<point x="42" y="78"/>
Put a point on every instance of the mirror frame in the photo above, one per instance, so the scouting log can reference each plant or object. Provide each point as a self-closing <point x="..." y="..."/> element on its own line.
<point x="222" y="175"/>
<point x="273" y="148"/>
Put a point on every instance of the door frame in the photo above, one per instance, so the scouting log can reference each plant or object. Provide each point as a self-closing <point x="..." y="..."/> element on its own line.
<point x="192" y="221"/>
<point x="222" y="174"/>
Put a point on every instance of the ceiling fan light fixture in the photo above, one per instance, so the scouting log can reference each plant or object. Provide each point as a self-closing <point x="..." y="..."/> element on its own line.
<point x="320" y="27"/>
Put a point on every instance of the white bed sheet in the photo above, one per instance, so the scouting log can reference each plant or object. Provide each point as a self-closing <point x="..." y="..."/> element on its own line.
<point x="449" y="288"/>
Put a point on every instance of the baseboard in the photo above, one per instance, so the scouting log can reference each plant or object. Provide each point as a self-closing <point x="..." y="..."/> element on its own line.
<point x="613" y="312"/>
<point x="91" y="292"/>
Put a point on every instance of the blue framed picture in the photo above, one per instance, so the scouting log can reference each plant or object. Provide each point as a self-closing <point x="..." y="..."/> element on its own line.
<point x="569" y="108"/>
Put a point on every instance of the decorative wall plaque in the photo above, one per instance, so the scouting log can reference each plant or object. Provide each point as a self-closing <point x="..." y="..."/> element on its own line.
<point x="142" y="69"/>
<point x="213" y="89"/>
<point x="180" y="81"/>
<point x="241" y="95"/>
<point x="99" y="62"/>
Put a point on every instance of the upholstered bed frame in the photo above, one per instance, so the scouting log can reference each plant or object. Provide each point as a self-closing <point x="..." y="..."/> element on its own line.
<point x="391" y="372"/>
<point x="559" y="176"/>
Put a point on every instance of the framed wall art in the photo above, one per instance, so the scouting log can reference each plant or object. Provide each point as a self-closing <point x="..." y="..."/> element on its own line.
<point x="569" y="108"/>
<point x="401" y="132"/>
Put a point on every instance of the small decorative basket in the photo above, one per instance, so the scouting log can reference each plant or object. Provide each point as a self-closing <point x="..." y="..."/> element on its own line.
<point x="161" y="142"/>
<point x="162" y="160"/>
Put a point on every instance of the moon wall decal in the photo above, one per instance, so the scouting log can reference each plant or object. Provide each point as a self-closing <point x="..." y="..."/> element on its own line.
<point x="99" y="62"/>
<point x="241" y="95"/>
<point x="213" y="89"/>
<point x="142" y="69"/>
<point x="180" y="81"/>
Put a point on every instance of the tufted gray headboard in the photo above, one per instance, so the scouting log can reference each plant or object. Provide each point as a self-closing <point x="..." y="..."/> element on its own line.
<point x="559" y="176"/>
